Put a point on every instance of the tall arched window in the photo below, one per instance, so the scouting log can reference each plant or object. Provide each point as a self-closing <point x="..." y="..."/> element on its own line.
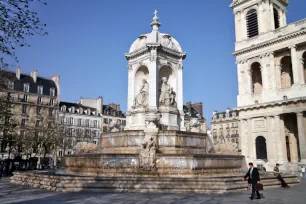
<point x="256" y="78"/>
<point x="276" y="18"/>
<point x="286" y="72"/>
<point x="261" y="148"/>
<point x="252" y="23"/>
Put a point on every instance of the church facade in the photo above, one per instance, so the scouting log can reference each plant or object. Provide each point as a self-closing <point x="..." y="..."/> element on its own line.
<point x="270" y="56"/>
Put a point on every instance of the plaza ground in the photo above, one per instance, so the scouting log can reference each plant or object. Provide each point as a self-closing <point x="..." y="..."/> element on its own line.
<point x="11" y="193"/>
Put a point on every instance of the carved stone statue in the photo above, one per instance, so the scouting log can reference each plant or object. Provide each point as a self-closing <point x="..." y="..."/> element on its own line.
<point x="142" y="98"/>
<point x="147" y="154"/>
<point x="167" y="95"/>
<point x="115" y="125"/>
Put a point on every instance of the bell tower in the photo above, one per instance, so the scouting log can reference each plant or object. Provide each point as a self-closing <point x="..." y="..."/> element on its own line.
<point x="255" y="17"/>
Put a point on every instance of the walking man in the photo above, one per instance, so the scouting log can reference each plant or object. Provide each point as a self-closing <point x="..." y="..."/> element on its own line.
<point x="279" y="176"/>
<point x="253" y="178"/>
<point x="303" y="173"/>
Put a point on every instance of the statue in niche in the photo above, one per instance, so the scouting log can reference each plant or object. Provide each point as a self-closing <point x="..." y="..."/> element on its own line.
<point x="147" y="154"/>
<point x="167" y="95"/>
<point x="142" y="97"/>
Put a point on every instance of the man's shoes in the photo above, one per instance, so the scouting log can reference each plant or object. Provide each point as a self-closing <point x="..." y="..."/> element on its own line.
<point x="258" y="197"/>
<point x="251" y="198"/>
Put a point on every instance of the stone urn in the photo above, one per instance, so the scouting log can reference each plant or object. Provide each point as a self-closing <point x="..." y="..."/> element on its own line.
<point x="152" y="119"/>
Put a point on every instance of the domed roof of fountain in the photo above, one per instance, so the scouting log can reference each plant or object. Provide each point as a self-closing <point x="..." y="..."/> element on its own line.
<point x="155" y="38"/>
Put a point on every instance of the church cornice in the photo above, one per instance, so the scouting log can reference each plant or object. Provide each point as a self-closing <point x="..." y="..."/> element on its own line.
<point x="174" y="53"/>
<point x="137" y="53"/>
<point x="239" y="2"/>
<point x="272" y="104"/>
<point x="270" y="43"/>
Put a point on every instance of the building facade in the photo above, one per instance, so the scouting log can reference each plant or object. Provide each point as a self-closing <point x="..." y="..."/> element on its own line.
<point x="194" y="119"/>
<point x="270" y="56"/>
<point x="225" y="127"/>
<point x="34" y="100"/>
<point x="81" y="121"/>
<point x="112" y="115"/>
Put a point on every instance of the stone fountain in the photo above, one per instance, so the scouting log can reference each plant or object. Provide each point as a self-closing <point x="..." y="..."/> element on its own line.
<point x="154" y="153"/>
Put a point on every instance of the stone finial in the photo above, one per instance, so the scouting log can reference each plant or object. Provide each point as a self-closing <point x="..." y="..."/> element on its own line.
<point x="155" y="24"/>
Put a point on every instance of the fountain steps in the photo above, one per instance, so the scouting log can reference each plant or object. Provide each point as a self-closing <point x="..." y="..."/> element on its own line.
<point x="70" y="183"/>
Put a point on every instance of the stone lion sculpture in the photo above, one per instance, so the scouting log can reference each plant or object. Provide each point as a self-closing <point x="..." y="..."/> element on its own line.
<point x="86" y="148"/>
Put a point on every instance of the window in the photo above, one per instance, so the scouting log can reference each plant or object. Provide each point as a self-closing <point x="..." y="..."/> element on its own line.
<point x="79" y="122"/>
<point x="252" y="23"/>
<point x="37" y="123"/>
<point x="24" y="109"/>
<point x="63" y="108"/>
<point x="26" y="98"/>
<point x="62" y="120"/>
<point x="71" y="122"/>
<point x="39" y="100"/>
<point x="23" y="122"/>
<point x="40" y="90"/>
<point x="95" y="142"/>
<point x="95" y="123"/>
<point x="276" y="18"/>
<point x="38" y="109"/>
<point x="60" y="153"/>
<point x="52" y="102"/>
<point x="26" y="87"/>
<point x="50" y="124"/>
<point x="52" y="92"/>
<point x="110" y="120"/>
<point x="50" y="112"/>
<point x="104" y="129"/>
<point x="87" y="123"/>
<point x="69" y="153"/>
<point x="106" y="120"/>
<point x="10" y="85"/>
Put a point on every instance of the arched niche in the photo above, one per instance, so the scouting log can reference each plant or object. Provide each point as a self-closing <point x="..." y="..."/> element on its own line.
<point x="286" y="72"/>
<point x="141" y="74"/>
<point x="256" y="78"/>
<point x="169" y="73"/>
<point x="261" y="148"/>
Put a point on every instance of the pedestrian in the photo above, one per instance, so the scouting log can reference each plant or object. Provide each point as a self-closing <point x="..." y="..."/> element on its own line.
<point x="254" y="179"/>
<point x="1" y="168"/>
<point x="303" y="173"/>
<point x="279" y="176"/>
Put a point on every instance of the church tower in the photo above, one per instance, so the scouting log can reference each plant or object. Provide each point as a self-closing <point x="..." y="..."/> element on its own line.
<point x="270" y="57"/>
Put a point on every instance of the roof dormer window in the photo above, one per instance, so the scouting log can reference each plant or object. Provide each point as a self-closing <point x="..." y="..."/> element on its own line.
<point x="26" y="87"/>
<point x="40" y="89"/>
<point x="52" y="92"/>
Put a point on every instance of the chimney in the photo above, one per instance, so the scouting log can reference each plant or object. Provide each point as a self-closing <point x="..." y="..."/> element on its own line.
<point x="18" y="72"/>
<point x="100" y="104"/>
<point x="56" y="79"/>
<point x="215" y="112"/>
<point x="34" y="75"/>
<point x="115" y="106"/>
<point x="228" y="110"/>
<point x="188" y="104"/>
<point x="198" y="107"/>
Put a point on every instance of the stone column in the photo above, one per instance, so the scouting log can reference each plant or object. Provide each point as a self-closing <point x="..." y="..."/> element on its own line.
<point x="250" y="84"/>
<point x="295" y="67"/>
<point x="153" y="76"/>
<point x="301" y="65"/>
<point x="180" y="96"/>
<point x="302" y="136"/>
<point x="243" y="137"/>
<point x="278" y="76"/>
<point x="281" y="143"/>
<point x="271" y="147"/>
<point x="273" y="82"/>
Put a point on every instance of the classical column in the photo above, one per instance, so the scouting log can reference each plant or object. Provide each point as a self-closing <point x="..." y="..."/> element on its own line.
<point x="271" y="147"/>
<point x="243" y="137"/>
<point x="302" y="136"/>
<point x="294" y="62"/>
<point x="180" y="96"/>
<point x="278" y="76"/>
<point x="302" y="61"/>
<point x="250" y="83"/>
<point x="153" y="76"/>
<point x="280" y="141"/>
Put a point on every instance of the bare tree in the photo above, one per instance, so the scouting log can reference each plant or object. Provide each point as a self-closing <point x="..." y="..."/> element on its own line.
<point x="17" y="22"/>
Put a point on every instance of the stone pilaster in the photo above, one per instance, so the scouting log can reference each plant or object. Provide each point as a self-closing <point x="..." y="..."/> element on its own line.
<point x="295" y="67"/>
<point x="180" y="96"/>
<point x="301" y="65"/>
<point x="250" y="83"/>
<point x="243" y="137"/>
<point x="280" y="138"/>
<point x="302" y="136"/>
<point x="271" y="147"/>
<point x="153" y="76"/>
<point x="251" y="141"/>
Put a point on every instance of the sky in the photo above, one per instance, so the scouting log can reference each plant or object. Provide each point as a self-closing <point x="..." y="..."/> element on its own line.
<point x="87" y="41"/>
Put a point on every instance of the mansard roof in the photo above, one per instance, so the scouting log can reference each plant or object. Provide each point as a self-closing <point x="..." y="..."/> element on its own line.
<point x="78" y="107"/>
<point x="193" y="113"/>
<point x="108" y="110"/>
<point x="27" y="79"/>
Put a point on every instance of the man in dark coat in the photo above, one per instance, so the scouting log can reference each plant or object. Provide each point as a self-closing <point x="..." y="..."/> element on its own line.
<point x="253" y="178"/>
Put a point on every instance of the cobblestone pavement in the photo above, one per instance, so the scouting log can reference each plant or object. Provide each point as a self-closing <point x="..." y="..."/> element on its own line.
<point x="11" y="193"/>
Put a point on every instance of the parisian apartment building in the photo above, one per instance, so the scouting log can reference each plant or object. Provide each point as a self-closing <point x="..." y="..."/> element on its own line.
<point x="225" y="127"/>
<point x="34" y="99"/>
<point x="194" y="112"/>
<point x="111" y="114"/>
